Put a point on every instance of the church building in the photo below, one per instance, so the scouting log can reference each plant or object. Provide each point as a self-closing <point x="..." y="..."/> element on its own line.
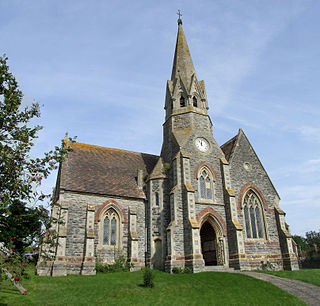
<point x="197" y="205"/>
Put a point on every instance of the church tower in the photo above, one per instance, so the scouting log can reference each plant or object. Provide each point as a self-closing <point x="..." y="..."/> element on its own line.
<point x="194" y="227"/>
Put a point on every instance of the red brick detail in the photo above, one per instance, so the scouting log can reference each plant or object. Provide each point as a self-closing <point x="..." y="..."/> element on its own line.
<point x="114" y="204"/>
<point x="258" y="242"/>
<point x="210" y="210"/>
<point x="200" y="165"/>
<point x="252" y="186"/>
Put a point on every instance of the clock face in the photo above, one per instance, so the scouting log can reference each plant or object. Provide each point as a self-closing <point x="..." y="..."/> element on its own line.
<point x="202" y="145"/>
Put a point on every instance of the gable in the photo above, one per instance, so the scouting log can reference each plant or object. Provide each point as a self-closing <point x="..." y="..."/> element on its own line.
<point x="243" y="158"/>
<point x="104" y="171"/>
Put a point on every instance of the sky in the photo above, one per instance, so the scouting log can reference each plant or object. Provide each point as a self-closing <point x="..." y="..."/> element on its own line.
<point x="99" y="70"/>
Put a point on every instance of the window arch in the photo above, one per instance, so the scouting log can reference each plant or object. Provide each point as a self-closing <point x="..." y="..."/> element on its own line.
<point x="110" y="228"/>
<point x="195" y="102"/>
<point x="206" y="184"/>
<point x="253" y="216"/>
<point x="182" y="102"/>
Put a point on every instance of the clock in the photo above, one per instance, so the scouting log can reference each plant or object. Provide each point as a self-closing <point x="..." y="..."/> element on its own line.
<point x="202" y="144"/>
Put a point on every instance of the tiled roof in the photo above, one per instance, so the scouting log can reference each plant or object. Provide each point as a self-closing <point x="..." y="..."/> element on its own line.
<point x="104" y="171"/>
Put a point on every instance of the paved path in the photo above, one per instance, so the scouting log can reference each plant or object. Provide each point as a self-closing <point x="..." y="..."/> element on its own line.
<point x="306" y="292"/>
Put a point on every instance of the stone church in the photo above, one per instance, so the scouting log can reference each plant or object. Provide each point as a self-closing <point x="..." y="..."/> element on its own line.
<point x="196" y="205"/>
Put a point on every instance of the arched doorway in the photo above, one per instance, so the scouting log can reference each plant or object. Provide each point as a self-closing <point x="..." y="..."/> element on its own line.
<point x="208" y="244"/>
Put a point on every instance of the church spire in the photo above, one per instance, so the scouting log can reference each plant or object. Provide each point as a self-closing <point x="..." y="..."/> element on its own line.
<point x="182" y="63"/>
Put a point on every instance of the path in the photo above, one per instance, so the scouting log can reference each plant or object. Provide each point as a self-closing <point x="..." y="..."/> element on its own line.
<point x="304" y="291"/>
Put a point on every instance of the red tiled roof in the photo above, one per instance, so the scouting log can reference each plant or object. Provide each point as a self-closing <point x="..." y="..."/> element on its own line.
<point x="104" y="171"/>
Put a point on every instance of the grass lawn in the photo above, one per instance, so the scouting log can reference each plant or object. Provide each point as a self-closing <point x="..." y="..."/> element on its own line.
<point x="311" y="276"/>
<point x="124" y="288"/>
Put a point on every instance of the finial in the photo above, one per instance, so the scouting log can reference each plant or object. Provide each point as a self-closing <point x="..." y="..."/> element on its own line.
<point x="179" y="20"/>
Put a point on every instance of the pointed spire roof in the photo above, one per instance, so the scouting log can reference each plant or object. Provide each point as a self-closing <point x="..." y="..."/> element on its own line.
<point x="182" y="62"/>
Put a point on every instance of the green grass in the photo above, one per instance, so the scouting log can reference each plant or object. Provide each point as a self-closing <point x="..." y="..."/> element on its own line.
<point x="311" y="276"/>
<point x="125" y="288"/>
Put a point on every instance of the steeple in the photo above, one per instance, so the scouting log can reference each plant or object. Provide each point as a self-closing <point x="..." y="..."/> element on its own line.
<point x="182" y="63"/>
<point x="184" y="92"/>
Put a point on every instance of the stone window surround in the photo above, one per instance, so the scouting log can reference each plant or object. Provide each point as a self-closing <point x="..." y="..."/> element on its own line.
<point x="122" y="219"/>
<point x="213" y="178"/>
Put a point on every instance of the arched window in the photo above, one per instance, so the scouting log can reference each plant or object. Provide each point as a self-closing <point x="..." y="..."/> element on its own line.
<point x="110" y="228"/>
<point x="206" y="185"/>
<point x="253" y="215"/>
<point x="182" y="102"/>
<point x="195" y="102"/>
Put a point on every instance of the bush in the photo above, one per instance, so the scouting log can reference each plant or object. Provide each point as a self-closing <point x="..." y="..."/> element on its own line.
<point x="180" y="270"/>
<point x="120" y="264"/>
<point x="148" y="277"/>
<point x="268" y="266"/>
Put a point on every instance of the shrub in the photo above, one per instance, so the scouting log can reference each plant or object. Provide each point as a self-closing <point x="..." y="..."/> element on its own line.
<point x="120" y="264"/>
<point x="268" y="266"/>
<point x="181" y="270"/>
<point x="148" y="277"/>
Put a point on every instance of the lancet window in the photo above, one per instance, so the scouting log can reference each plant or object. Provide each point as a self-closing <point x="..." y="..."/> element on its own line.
<point x="182" y="102"/>
<point x="206" y="185"/>
<point x="253" y="215"/>
<point x="110" y="228"/>
<point x="195" y="102"/>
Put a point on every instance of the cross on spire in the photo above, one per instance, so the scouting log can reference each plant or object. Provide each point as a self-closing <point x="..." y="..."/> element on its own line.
<point x="179" y="14"/>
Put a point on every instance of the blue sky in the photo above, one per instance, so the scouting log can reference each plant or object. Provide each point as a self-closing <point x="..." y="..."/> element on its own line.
<point x="99" y="68"/>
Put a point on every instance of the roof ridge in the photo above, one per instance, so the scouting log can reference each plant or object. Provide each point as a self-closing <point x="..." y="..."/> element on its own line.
<point x="111" y="149"/>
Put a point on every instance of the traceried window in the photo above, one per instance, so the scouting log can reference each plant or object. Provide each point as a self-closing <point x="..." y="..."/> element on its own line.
<point x="195" y="102"/>
<point x="182" y="102"/>
<point x="253" y="216"/>
<point x="110" y="228"/>
<point x="206" y="185"/>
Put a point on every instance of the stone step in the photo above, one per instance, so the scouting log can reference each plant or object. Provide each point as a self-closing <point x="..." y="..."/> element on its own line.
<point x="218" y="269"/>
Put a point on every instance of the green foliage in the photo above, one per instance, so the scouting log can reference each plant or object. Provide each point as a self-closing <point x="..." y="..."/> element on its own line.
<point x="120" y="264"/>
<point x="181" y="270"/>
<point x="148" y="277"/>
<point x="301" y="243"/>
<point x="23" y="220"/>
<point x="267" y="266"/>
<point x="313" y="238"/>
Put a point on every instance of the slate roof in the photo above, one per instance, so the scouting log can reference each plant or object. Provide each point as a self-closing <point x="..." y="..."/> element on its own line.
<point x="228" y="147"/>
<point x="104" y="171"/>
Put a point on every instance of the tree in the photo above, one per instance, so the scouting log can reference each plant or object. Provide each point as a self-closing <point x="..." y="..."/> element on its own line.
<point x="22" y="219"/>
<point x="301" y="242"/>
<point x="313" y="238"/>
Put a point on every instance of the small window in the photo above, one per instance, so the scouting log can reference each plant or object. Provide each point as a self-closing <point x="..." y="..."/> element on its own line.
<point x="157" y="198"/>
<point x="195" y="102"/>
<point x="182" y="102"/>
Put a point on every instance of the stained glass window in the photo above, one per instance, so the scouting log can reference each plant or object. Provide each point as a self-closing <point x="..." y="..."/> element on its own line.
<point x="253" y="215"/>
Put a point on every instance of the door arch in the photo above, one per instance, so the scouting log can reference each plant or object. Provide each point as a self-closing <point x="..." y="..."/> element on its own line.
<point x="208" y="244"/>
<point x="212" y="241"/>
